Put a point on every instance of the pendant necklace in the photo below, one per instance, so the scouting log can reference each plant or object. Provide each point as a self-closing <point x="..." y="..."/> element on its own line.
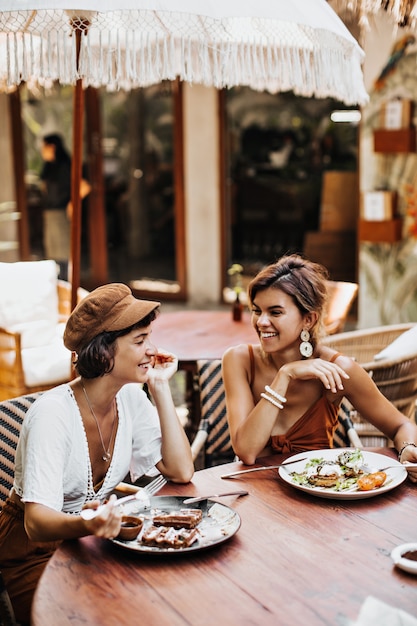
<point x="106" y="453"/>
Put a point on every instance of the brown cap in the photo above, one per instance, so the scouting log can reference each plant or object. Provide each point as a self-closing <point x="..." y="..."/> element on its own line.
<point x="107" y="308"/>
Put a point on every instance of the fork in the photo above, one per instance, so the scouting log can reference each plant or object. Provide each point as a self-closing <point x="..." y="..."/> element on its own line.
<point x="143" y="495"/>
<point x="367" y="468"/>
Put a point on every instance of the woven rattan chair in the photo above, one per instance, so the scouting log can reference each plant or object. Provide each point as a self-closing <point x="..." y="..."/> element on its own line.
<point x="212" y="445"/>
<point x="12" y="376"/>
<point x="363" y="345"/>
<point x="395" y="378"/>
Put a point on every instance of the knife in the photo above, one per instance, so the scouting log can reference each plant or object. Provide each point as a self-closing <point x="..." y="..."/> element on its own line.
<point x="240" y="492"/>
<point x="264" y="467"/>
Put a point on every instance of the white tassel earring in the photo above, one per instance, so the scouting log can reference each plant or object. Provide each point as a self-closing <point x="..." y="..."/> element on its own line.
<point x="306" y="348"/>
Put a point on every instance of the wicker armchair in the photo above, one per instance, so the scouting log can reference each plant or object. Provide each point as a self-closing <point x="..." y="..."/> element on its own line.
<point x="362" y="345"/>
<point x="12" y="377"/>
<point x="395" y="378"/>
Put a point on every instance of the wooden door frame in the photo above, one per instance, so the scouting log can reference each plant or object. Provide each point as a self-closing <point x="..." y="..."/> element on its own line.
<point x="179" y="206"/>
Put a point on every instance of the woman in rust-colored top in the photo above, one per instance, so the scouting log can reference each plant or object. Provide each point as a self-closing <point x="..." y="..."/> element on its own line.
<point x="284" y="393"/>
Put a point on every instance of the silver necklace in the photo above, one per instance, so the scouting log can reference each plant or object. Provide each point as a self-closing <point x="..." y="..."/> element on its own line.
<point x="106" y="452"/>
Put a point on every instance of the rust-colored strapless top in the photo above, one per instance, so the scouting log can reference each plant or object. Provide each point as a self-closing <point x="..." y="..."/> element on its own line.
<point x="314" y="430"/>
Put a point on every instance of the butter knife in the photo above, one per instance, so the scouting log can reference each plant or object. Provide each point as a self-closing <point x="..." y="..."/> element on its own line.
<point x="240" y="492"/>
<point x="264" y="467"/>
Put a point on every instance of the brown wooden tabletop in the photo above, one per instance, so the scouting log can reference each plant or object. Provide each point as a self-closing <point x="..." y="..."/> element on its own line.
<point x="296" y="559"/>
<point x="193" y="335"/>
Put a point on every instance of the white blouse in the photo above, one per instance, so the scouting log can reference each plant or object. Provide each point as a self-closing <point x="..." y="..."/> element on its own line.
<point x="52" y="460"/>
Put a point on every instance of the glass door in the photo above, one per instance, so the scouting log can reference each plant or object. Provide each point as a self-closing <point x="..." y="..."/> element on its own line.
<point x="277" y="150"/>
<point x="140" y="140"/>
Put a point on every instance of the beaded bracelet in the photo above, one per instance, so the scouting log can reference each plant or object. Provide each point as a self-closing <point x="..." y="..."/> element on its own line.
<point x="272" y="401"/>
<point x="275" y="394"/>
<point x="406" y="444"/>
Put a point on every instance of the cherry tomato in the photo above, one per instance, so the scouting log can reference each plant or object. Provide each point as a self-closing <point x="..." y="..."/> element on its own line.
<point x="366" y="483"/>
<point x="371" y="481"/>
<point x="380" y="478"/>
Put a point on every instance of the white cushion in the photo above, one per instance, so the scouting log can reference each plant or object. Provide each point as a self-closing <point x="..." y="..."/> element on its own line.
<point x="405" y="345"/>
<point x="34" y="334"/>
<point x="47" y="364"/>
<point x="28" y="293"/>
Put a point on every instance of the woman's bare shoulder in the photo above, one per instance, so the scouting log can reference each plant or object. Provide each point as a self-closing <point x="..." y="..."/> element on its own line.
<point x="237" y="353"/>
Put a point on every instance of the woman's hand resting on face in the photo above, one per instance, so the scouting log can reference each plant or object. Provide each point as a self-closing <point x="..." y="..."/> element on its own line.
<point x="330" y="374"/>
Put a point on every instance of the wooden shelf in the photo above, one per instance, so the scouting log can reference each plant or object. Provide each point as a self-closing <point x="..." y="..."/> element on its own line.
<point x="386" y="231"/>
<point x="392" y="141"/>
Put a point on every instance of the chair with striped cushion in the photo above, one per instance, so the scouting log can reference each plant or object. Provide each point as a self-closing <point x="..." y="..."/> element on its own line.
<point x="12" y="414"/>
<point x="345" y="435"/>
<point x="212" y="440"/>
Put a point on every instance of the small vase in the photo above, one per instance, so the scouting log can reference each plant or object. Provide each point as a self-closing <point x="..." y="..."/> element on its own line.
<point x="237" y="309"/>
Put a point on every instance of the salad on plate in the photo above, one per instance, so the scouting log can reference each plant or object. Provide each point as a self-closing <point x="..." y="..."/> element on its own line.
<point x="346" y="472"/>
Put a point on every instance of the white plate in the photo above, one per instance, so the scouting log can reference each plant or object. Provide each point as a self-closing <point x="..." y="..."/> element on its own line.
<point x="406" y="564"/>
<point x="394" y="476"/>
<point x="219" y="524"/>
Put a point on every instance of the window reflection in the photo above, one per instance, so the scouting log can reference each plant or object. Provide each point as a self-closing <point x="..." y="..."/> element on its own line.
<point x="278" y="147"/>
<point x="137" y="143"/>
<point x="139" y="171"/>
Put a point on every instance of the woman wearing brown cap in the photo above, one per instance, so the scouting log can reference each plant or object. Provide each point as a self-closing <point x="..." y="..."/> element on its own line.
<point x="79" y="440"/>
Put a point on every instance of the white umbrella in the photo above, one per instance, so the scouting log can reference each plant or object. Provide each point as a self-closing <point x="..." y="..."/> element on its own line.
<point x="273" y="45"/>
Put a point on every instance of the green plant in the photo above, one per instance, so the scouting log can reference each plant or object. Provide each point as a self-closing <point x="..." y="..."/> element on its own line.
<point x="235" y="271"/>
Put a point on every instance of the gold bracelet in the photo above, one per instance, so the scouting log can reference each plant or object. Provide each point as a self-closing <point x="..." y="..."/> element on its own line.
<point x="405" y="445"/>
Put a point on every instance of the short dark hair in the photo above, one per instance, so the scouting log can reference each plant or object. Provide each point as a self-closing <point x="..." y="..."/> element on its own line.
<point x="97" y="357"/>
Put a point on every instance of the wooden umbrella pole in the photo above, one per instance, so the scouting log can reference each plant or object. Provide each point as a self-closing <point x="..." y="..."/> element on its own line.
<point x="80" y="28"/>
<point x="19" y="170"/>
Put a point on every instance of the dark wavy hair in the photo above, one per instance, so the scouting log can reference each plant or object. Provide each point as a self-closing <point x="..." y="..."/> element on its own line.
<point x="97" y="357"/>
<point x="303" y="280"/>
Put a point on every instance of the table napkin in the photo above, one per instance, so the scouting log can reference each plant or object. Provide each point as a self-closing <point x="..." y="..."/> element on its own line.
<point x="374" y="612"/>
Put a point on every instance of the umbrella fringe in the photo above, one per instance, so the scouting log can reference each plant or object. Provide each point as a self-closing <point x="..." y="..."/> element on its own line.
<point x="120" y="58"/>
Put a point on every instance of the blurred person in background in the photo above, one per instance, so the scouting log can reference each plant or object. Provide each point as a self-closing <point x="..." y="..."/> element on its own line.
<point x="56" y="196"/>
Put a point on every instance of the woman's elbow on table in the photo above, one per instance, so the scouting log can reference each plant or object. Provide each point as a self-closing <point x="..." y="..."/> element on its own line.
<point x="181" y="474"/>
<point x="248" y="457"/>
<point x="185" y="473"/>
<point x="185" y="477"/>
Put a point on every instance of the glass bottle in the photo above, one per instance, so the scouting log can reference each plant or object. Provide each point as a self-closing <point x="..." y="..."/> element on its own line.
<point x="237" y="309"/>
